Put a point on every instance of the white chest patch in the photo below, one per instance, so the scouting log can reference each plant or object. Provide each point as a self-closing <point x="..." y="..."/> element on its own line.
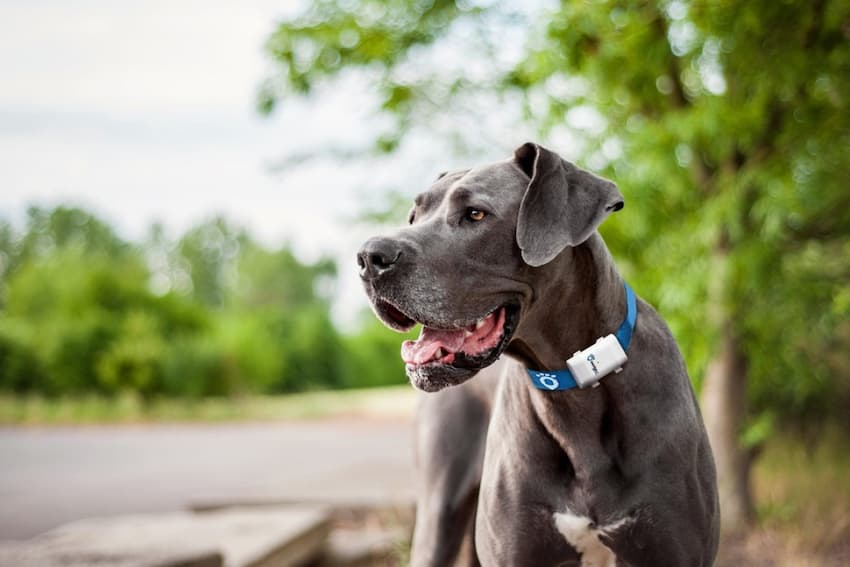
<point x="578" y="532"/>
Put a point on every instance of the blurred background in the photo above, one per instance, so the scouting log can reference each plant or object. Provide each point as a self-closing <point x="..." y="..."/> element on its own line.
<point x="184" y="186"/>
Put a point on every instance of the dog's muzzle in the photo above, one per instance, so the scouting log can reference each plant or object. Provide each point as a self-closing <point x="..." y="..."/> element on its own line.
<point x="377" y="257"/>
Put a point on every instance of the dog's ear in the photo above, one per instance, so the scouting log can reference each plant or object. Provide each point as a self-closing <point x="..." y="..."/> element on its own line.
<point x="562" y="206"/>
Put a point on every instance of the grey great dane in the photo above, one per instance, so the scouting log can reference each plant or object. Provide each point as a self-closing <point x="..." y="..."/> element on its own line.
<point x="506" y="259"/>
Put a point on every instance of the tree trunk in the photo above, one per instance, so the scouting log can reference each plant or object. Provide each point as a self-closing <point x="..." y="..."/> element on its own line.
<point x="724" y="392"/>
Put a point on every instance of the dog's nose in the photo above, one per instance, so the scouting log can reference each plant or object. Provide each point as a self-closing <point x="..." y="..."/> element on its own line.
<point x="377" y="256"/>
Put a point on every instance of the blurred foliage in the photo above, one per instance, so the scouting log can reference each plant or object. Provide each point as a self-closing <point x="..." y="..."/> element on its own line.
<point x="212" y="313"/>
<point x="726" y="125"/>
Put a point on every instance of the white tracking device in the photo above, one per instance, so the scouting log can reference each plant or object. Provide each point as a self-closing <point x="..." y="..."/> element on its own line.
<point x="588" y="366"/>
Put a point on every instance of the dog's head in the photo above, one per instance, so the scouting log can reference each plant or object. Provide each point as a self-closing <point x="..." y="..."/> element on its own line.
<point x="467" y="266"/>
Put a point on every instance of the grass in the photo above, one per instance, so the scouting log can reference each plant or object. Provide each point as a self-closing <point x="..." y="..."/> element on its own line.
<point x="804" y="485"/>
<point x="386" y="402"/>
<point x="801" y="486"/>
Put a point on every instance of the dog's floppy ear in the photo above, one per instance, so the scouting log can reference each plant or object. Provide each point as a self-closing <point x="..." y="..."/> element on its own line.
<point x="562" y="206"/>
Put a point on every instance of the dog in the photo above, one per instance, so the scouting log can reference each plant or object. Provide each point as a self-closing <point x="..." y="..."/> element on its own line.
<point x="581" y="446"/>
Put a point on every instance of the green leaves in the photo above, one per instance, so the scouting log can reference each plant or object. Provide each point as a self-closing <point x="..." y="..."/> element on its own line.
<point x="329" y="37"/>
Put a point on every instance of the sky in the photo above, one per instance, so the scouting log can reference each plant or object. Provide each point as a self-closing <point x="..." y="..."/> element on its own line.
<point x="143" y="111"/>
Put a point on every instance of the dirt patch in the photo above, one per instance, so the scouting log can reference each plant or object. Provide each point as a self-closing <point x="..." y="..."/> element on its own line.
<point x="775" y="548"/>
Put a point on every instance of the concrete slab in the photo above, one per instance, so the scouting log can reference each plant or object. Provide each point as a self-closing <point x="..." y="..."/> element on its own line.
<point x="30" y="554"/>
<point x="363" y="548"/>
<point x="233" y="538"/>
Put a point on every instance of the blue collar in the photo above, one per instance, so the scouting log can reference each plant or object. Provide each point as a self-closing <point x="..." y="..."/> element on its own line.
<point x="563" y="379"/>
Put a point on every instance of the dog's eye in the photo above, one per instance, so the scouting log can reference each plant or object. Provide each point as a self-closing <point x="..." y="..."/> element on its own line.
<point x="474" y="215"/>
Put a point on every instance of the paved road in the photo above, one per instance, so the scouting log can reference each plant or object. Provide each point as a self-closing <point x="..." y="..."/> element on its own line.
<point x="49" y="476"/>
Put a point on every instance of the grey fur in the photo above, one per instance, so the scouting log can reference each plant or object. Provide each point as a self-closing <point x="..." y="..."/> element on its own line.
<point x="632" y="452"/>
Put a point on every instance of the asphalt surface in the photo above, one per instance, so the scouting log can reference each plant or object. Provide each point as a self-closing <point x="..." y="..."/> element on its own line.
<point x="50" y="476"/>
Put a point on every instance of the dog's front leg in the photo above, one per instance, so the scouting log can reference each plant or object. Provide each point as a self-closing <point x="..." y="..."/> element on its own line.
<point x="451" y="431"/>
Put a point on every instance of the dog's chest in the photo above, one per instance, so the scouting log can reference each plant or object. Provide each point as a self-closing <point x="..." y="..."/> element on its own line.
<point x="581" y="533"/>
<point x="539" y="506"/>
<point x="528" y="489"/>
<point x="515" y="530"/>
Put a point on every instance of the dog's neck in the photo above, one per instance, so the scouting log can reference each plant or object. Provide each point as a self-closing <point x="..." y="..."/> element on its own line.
<point x="568" y="313"/>
<point x="585" y="300"/>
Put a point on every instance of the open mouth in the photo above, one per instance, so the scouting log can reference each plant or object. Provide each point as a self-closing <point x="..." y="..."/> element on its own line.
<point x="442" y="357"/>
<point x="463" y="347"/>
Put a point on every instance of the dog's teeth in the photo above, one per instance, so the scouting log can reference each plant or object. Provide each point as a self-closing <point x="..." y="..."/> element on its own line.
<point x="479" y="324"/>
<point x="439" y="354"/>
<point x="467" y="333"/>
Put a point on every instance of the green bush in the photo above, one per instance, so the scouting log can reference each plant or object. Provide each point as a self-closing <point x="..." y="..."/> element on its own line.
<point x="315" y="352"/>
<point x="372" y="356"/>
<point x="252" y="357"/>
<point x="195" y="368"/>
<point x="20" y="368"/>
<point x="134" y="358"/>
<point x="70" y="349"/>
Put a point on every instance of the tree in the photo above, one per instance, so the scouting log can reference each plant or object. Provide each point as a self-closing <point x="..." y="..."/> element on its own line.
<point x="276" y="279"/>
<point x="208" y="253"/>
<point x="47" y="230"/>
<point x="726" y="124"/>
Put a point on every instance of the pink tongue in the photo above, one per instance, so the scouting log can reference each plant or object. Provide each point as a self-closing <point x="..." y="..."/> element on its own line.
<point x="422" y="349"/>
<point x="473" y="340"/>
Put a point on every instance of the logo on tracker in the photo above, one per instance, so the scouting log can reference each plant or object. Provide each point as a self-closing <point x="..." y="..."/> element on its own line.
<point x="550" y="381"/>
